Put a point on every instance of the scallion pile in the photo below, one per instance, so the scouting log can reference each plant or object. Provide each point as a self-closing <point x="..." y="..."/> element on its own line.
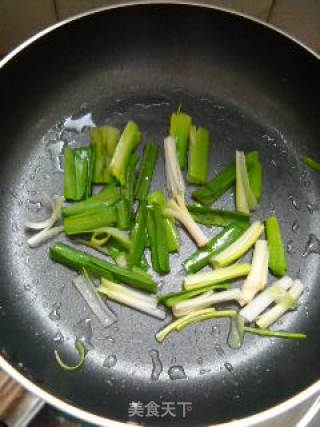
<point x="110" y="206"/>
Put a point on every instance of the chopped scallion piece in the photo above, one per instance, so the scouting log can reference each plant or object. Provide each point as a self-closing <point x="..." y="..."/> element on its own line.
<point x="216" y="217"/>
<point x="287" y="302"/>
<point x="173" y="298"/>
<point x="245" y="199"/>
<point x="71" y="368"/>
<point x="180" y="124"/>
<point x="238" y="248"/>
<point x="199" y="280"/>
<point x="90" y="220"/>
<point x="176" y="207"/>
<point x="78" y="260"/>
<point x="103" y="140"/>
<point x="276" y="334"/>
<point x="222" y="182"/>
<point x="88" y="291"/>
<point x="192" y="318"/>
<point x="205" y="300"/>
<point x="278" y="263"/>
<point x="132" y="298"/>
<point x="108" y="196"/>
<point x="198" y="155"/>
<point x="257" y="278"/>
<point x="127" y="190"/>
<point x="217" y="244"/>
<point x="53" y="218"/>
<point x="128" y="141"/>
<point x="138" y="237"/>
<point x="117" y="252"/>
<point x="262" y="301"/>
<point x="104" y="233"/>
<point x="255" y="179"/>
<point x="152" y="236"/>
<point x="69" y="174"/>
<point x="171" y="229"/>
<point x="161" y="239"/>
<point x="150" y="156"/>
<point x="78" y="169"/>
<point x="44" y="235"/>
<point x="311" y="163"/>
<point x="236" y="333"/>
<point x="123" y="214"/>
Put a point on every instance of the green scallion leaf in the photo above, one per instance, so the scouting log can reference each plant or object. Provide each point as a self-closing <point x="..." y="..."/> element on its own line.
<point x="128" y="141"/>
<point x="150" y="156"/>
<point x="180" y="124"/>
<point x="277" y="257"/>
<point x="103" y="140"/>
<point x="82" y="355"/>
<point x="311" y="163"/>
<point x="276" y="334"/>
<point x="198" y="155"/>
<point x="222" y="182"/>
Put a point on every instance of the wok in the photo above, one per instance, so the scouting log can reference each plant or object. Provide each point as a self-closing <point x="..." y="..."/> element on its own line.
<point x="254" y="88"/>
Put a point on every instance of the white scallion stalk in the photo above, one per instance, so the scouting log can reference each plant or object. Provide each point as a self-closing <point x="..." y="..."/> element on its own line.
<point x="44" y="235"/>
<point x="245" y="199"/>
<point x="53" y="218"/>
<point x="134" y="293"/>
<point x="257" y="278"/>
<point x="241" y="197"/>
<point x="132" y="298"/>
<point x="194" y="317"/>
<point x="185" y="307"/>
<point x="89" y="293"/>
<point x="261" y="302"/>
<point x="195" y="300"/>
<point x="220" y="275"/>
<point x="287" y="302"/>
<point x="175" y="182"/>
<point x="176" y="207"/>
<point x="238" y="248"/>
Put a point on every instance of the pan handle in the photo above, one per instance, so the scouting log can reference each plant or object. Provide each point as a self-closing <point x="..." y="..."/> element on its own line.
<point x="311" y="413"/>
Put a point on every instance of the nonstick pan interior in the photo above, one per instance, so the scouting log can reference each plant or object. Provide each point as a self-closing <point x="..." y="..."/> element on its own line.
<point x="254" y="89"/>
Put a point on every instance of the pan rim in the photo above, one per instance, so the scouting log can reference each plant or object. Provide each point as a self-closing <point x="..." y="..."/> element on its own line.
<point x="250" y="421"/>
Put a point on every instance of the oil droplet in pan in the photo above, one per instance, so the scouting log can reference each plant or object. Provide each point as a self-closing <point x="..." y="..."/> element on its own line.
<point x="110" y="361"/>
<point x="293" y="201"/>
<point x="83" y="331"/>
<point x="229" y="367"/>
<point x="312" y="246"/>
<point x="176" y="372"/>
<point x="295" y="226"/>
<point x="219" y="350"/>
<point x="54" y="313"/>
<point x="58" y="337"/>
<point x="290" y="247"/>
<point x="157" y="366"/>
<point x="310" y="208"/>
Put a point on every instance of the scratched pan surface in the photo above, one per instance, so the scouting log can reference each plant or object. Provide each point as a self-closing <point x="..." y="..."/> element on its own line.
<point x="254" y="89"/>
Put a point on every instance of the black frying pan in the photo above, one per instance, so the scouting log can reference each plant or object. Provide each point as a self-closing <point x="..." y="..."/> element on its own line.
<point x="254" y="88"/>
